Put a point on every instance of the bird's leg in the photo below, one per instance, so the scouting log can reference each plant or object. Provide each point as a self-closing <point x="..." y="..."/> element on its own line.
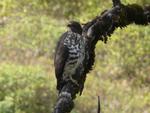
<point x="74" y="81"/>
<point x="65" y="100"/>
<point x="70" y="78"/>
<point x="64" y="103"/>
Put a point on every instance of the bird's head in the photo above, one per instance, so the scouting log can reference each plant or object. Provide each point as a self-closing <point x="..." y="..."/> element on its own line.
<point x="75" y="27"/>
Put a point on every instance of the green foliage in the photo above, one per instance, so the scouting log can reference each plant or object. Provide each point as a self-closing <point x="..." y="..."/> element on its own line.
<point x="24" y="89"/>
<point x="128" y="51"/>
<point x="36" y="33"/>
<point x="29" y="31"/>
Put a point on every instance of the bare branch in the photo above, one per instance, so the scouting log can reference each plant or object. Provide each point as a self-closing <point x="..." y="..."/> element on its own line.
<point x="99" y="106"/>
<point x="103" y="26"/>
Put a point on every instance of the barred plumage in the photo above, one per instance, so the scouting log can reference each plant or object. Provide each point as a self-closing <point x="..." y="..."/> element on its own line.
<point x="70" y="53"/>
<point x="75" y="44"/>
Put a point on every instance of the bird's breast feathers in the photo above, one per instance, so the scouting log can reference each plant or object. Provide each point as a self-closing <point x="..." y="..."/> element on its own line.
<point x="76" y="48"/>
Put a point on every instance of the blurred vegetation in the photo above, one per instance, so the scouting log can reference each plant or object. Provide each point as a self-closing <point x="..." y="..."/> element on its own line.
<point x="29" y="31"/>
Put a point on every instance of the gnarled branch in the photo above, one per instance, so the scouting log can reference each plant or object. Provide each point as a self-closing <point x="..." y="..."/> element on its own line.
<point x="100" y="28"/>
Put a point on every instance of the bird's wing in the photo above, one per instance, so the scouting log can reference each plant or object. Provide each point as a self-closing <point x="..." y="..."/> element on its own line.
<point x="61" y="55"/>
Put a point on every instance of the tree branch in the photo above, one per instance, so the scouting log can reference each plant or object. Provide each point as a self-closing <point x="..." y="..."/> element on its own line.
<point x="103" y="26"/>
<point x="99" y="29"/>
